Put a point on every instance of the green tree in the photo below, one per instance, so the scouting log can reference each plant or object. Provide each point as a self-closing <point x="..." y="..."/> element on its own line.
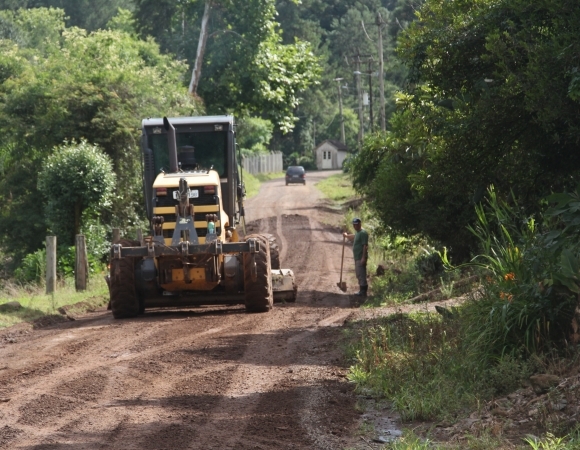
<point x="335" y="29"/>
<point x="97" y="86"/>
<point x="247" y="69"/>
<point x="75" y="178"/>
<point x="351" y="125"/>
<point x="88" y="14"/>
<point x="254" y="134"/>
<point x="492" y="102"/>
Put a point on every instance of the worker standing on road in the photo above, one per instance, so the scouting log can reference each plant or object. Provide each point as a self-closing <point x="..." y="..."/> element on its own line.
<point x="360" y="248"/>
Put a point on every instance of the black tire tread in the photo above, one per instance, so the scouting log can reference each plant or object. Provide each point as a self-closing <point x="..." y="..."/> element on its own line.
<point x="274" y="251"/>
<point x="258" y="294"/>
<point x="124" y="300"/>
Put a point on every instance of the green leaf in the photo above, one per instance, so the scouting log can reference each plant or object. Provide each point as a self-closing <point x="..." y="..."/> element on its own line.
<point x="569" y="262"/>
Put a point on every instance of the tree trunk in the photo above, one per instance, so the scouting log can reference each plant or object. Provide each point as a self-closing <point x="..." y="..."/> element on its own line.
<point x="196" y="74"/>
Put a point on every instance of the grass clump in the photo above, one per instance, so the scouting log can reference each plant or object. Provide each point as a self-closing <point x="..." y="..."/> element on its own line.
<point x="251" y="183"/>
<point x="410" y="441"/>
<point x="36" y="303"/>
<point x="551" y="442"/>
<point x="269" y="176"/>
<point x="421" y="363"/>
<point x="338" y="188"/>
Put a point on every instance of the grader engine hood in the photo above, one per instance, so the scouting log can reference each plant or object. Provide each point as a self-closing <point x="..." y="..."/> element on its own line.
<point x="204" y="196"/>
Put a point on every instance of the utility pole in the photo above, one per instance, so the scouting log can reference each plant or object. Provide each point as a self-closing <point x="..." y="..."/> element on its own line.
<point x="357" y="72"/>
<point x="342" y="135"/>
<point x="371" y="93"/>
<point x="380" y="24"/>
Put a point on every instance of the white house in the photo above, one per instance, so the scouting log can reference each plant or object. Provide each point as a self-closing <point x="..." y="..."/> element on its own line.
<point x="330" y="154"/>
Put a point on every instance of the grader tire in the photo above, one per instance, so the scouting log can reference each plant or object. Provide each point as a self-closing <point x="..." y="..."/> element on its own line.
<point x="258" y="293"/>
<point x="274" y="251"/>
<point x="124" y="300"/>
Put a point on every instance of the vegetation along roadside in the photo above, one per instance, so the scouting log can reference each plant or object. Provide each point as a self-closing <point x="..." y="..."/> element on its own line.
<point x="23" y="298"/>
<point x="500" y="367"/>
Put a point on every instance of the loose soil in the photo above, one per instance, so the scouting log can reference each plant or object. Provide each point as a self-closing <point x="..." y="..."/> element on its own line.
<point x="197" y="378"/>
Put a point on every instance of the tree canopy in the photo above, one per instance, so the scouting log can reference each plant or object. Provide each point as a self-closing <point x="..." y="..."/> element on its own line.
<point x="76" y="177"/>
<point x="66" y="76"/>
<point x="59" y="83"/>
<point x="493" y="100"/>
<point x="247" y="69"/>
<point x="88" y="14"/>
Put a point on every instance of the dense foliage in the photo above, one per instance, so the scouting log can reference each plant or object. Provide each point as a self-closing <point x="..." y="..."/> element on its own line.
<point x="96" y="82"/>
<point x="88" y="14"/>
<point x="530" y="286"/>
<point x="339" y="30"/>
<point x="75" y="179"/>
<point x="246" y="68"/>
<point x="59" y="83"/>
<point x="493" y="99"/>
<point x="521" y="319"/>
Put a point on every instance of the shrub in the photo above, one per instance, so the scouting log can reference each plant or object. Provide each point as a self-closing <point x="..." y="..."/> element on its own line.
<point x="77" y="177"/>
<point x="429" y="264"/>
<point x="32" y="268"/>
<point x="529" y="293"/>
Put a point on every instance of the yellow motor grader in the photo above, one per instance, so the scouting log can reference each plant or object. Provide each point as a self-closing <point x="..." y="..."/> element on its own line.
<point x="193" y="254"/>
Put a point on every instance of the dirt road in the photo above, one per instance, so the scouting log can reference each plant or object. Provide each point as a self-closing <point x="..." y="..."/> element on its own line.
<point x="196" y="378"/>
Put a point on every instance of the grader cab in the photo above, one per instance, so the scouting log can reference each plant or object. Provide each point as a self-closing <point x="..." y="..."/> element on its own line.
<point x="193" y="254"/>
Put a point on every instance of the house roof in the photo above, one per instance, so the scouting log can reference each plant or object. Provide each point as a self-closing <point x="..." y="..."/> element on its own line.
<point x="336" y="144"/>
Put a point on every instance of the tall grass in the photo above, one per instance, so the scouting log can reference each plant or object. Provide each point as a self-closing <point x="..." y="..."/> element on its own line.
<point x="410" y="441"/>
<point x="551" y="442"/>
<point x="530" y="289"/>
<point x="251" y="183"/>
<point x="421" y="363"/>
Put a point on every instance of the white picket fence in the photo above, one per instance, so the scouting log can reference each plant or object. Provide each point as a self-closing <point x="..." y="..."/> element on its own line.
<point x="267" y="163"/>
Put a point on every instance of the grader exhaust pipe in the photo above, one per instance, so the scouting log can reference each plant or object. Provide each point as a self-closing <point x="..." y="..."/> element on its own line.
<point x="172" y="144"/>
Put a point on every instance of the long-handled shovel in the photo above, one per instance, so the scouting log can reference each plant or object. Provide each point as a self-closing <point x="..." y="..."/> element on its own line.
<point x="342" y="284"/>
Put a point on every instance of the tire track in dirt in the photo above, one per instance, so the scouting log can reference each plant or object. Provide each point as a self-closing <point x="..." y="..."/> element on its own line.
<point x="197" y="378"/>
<point x="64" y="396"/>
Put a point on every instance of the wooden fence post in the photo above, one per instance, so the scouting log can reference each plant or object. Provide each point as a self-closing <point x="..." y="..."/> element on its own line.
<point x="140" y="236"/>
<point x="81" y="263"/>
<point x="50" y="264"/>
<point x="116" y="235"/>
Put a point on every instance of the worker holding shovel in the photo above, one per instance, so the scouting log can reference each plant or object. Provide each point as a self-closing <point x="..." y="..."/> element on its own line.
<point x="360" y="249"/>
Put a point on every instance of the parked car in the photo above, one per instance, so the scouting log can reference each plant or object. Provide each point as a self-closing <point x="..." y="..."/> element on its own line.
<point x="295" y="174"/>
